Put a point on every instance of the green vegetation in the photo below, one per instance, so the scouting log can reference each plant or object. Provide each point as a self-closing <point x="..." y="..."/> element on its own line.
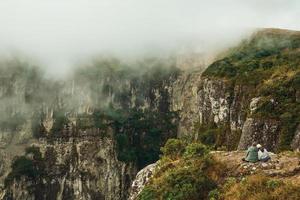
<point x="270" y="64"/>
<point x="30" y="165"/>
<point x="217" y="137"/>
<point x="139" y="133"/>
<point x="186" y="171"/>
<point x="60" y="120"/>
<point x="173" y="149"/>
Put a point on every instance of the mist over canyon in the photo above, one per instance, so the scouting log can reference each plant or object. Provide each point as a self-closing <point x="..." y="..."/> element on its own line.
<point x="86" y="136"/>
<point x="149" y="100"/>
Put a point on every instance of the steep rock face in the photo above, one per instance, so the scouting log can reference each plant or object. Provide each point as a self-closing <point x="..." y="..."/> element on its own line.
<point x="252" y="92"/>
<point x="79" y="159"/>
<point x="84" y="166"/>
<point x="202" y="101"/>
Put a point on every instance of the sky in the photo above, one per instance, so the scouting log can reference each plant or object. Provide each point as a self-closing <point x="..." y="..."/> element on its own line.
<point x="59" y="33"/>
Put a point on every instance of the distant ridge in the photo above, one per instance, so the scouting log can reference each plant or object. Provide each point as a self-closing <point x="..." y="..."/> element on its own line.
<point x="277" y="31"/>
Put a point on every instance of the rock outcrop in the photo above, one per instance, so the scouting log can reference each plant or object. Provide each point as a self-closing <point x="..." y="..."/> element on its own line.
<point x="141" y="180"/>
<point x="204" y="101"/>
<point x="264" y="131"/>
<point x="296" y="141"/>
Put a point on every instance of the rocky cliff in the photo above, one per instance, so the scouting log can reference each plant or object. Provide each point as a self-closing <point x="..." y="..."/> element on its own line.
<point x="85" y="137"/>
<point x="84" y="166"/>
<point x="251" y="94"/>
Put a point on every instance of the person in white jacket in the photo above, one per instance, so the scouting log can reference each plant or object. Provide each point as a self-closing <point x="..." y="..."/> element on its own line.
<point x="263" y="154"/>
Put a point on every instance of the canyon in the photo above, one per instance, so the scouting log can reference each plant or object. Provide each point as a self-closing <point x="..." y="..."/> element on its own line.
<point x="88" y="136"/>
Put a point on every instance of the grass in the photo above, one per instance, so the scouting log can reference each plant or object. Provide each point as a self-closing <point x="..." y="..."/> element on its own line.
<point x="260" y="187"/>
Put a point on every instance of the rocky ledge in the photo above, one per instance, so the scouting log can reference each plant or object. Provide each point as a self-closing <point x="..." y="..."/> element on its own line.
<point x="285" y="166"/>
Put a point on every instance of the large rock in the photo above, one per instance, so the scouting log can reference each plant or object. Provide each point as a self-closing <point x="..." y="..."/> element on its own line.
<point x="261" y="131"/>
<point x="296" y="141"/>
<point x="141" y="179"/>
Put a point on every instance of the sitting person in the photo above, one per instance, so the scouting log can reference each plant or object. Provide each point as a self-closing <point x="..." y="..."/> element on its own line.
<point x="252" y="154"/>
<point x="263" y="154"/>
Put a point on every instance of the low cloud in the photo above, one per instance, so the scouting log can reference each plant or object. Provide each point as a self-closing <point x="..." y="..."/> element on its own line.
<point x="59" y="33"/>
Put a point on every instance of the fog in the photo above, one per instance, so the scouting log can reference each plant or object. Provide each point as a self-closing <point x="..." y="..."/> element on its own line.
<point x="59" y="33"/>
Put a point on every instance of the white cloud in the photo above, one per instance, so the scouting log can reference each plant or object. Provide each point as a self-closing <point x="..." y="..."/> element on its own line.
<point x="58" y="32"/>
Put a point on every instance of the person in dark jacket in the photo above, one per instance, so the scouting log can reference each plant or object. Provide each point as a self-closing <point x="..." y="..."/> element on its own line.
<point x="252" y="154"/>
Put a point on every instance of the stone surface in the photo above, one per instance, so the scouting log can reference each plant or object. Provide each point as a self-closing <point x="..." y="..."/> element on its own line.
<point x="140" y="180"/>
<point x="281" y="165"/>
<point x="203" y="101"/>
<point x="261" y="131"/>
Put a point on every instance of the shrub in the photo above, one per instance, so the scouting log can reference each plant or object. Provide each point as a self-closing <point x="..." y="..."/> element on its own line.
<point x="35" y="151"/>
<point x="273" y="184"/>
<point x="26" y="166"/>
<point x="173" y="148"/>
<point x="214" y="136"/>
<point x="183" y="173"/>
<point x="208" y="137"/>
<point x="195" y="150"/>
<point x="147" y="193"/>
<point x="214" y="194"/>
<point x="60" y="120"/>
<point x="187" y="183"/>
<point x="21" y="166"/>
